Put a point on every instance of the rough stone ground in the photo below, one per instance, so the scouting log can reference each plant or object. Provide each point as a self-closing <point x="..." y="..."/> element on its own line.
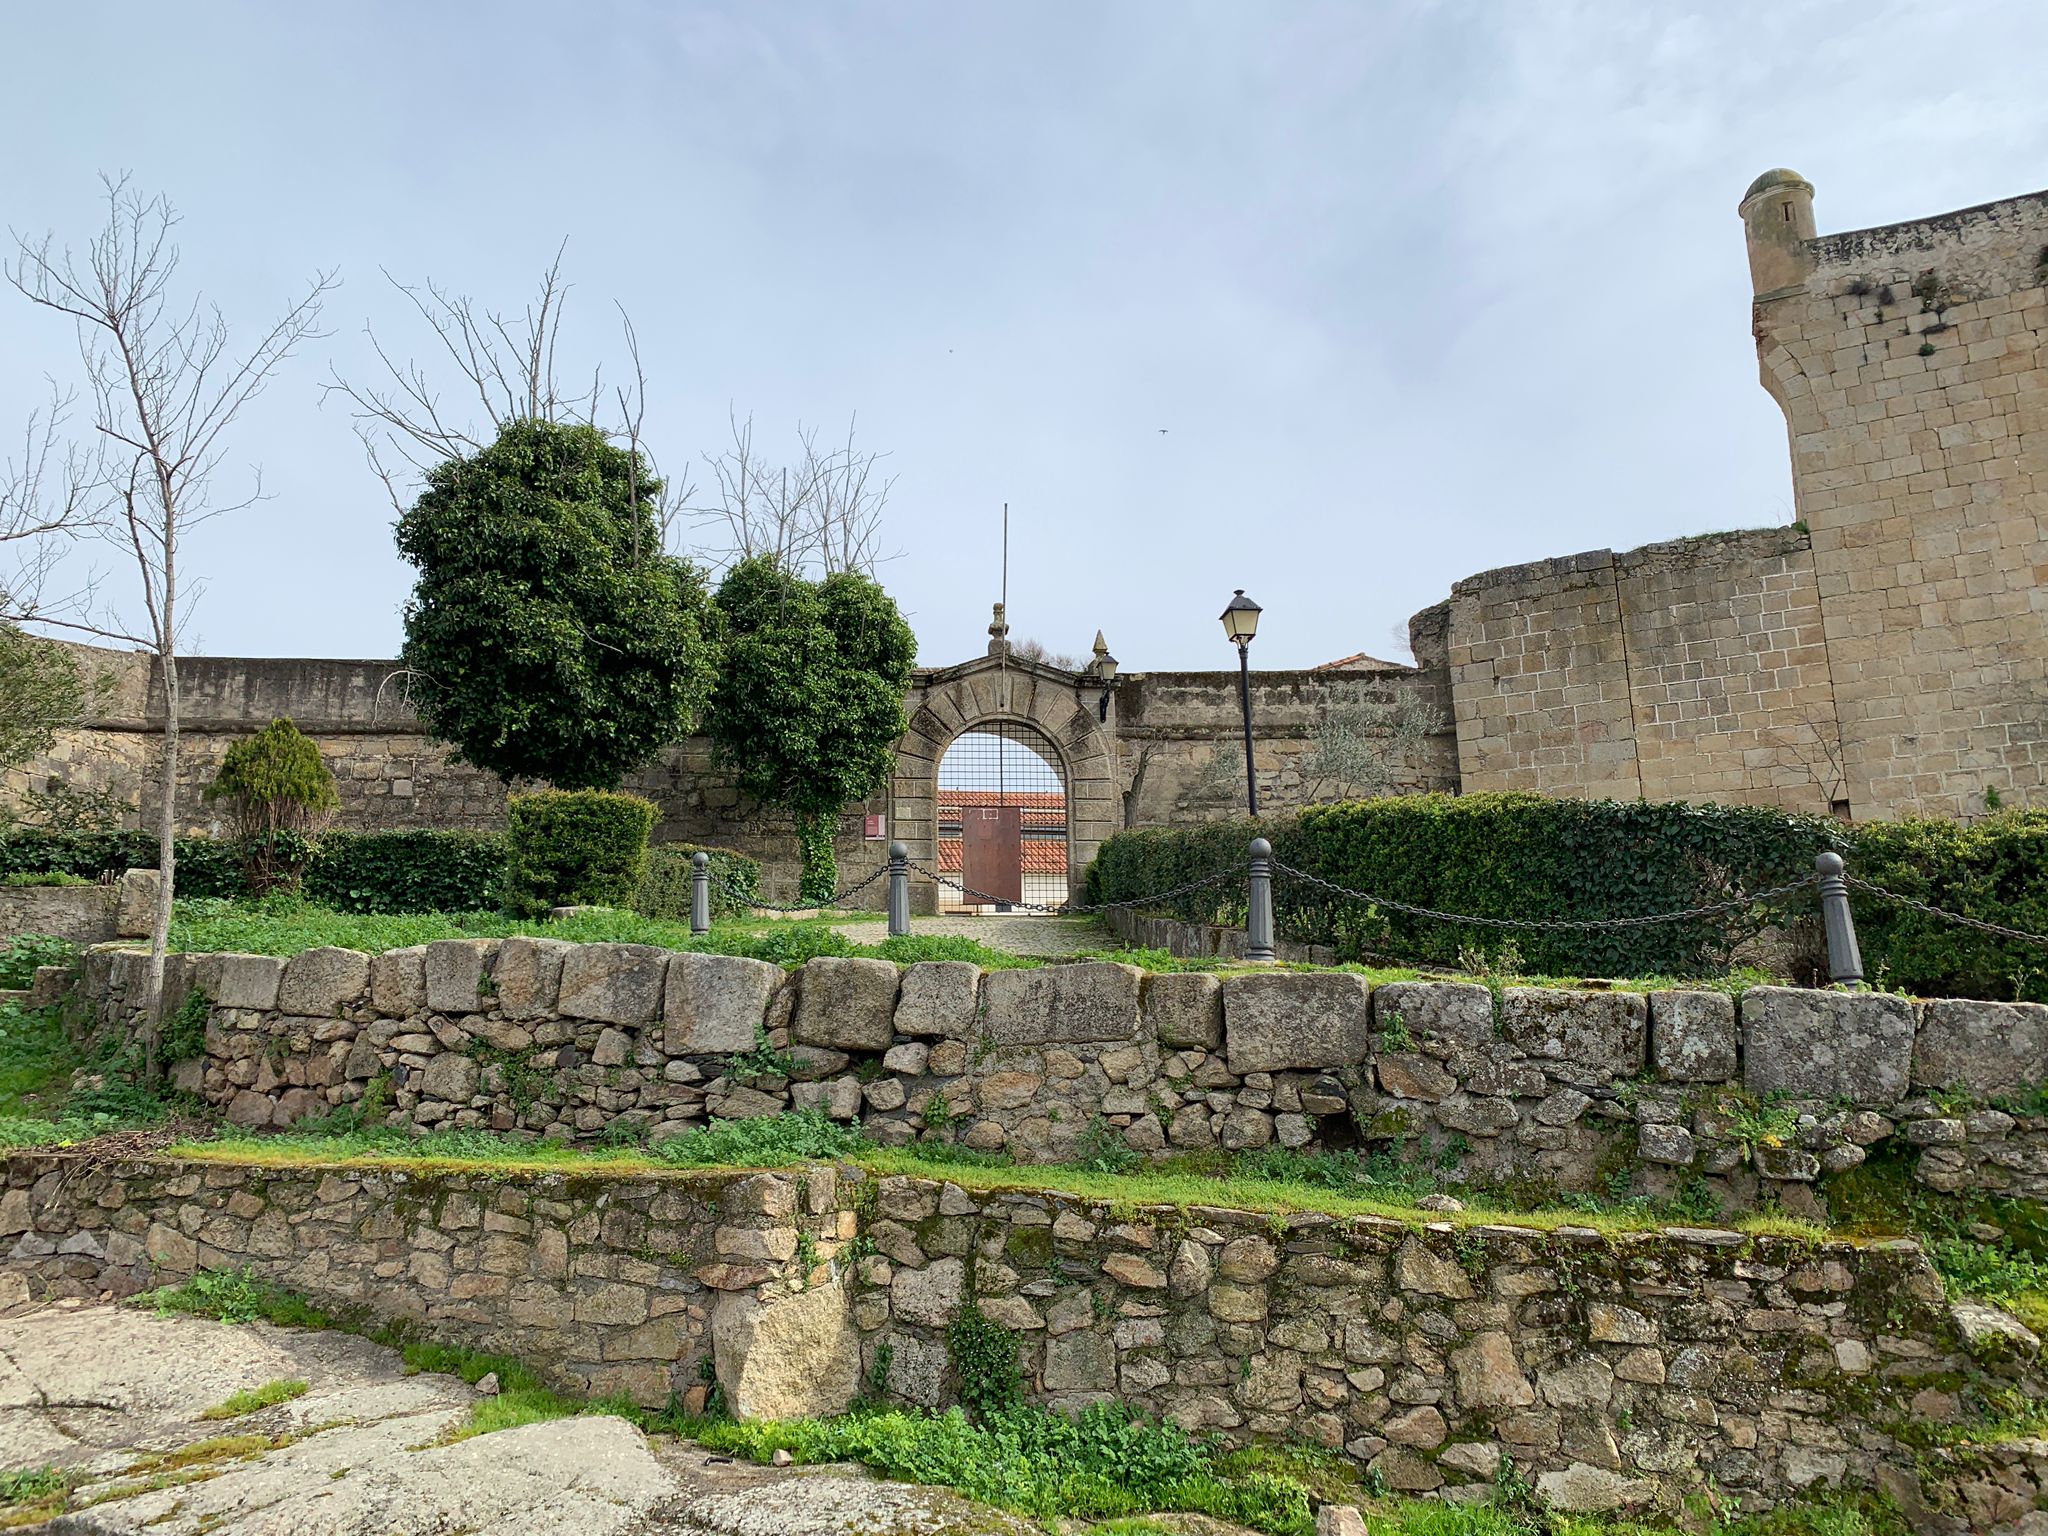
<point x="102" y="1390"/>
<point x="1020" y="933"/>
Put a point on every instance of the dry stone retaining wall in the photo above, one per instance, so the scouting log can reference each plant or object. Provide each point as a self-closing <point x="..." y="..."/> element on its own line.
<point x="1576" y="1090"/>
<point x="1613" y="1371"/>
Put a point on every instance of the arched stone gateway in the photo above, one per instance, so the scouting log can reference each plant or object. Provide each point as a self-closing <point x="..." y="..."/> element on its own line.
<point x="1072" y="713"/>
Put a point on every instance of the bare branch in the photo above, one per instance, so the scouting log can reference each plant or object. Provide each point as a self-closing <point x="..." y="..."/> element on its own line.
<point x="165" y="388"/>
<point x="822" y="513"/>
<point x="507" y="365"/>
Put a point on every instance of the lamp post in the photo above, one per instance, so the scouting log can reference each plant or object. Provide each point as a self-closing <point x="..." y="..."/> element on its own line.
<point x="1240" y="623"/>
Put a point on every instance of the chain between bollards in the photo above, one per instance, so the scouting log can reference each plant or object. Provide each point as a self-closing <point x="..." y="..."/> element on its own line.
<point x="700" y="892"/>
<point x="1845" y="961"/>
<point x="899" y="891"/>
<point x="1258" y="925"/>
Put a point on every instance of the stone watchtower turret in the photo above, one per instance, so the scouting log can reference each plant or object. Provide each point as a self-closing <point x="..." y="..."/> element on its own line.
<point x="1777" y="214"/>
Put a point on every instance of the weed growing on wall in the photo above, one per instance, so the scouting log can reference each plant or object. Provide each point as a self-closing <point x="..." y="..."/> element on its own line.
<point x="984" y="1355"/>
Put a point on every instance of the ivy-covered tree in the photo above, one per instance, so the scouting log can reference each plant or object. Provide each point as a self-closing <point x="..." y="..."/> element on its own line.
<point x="808" y="706"/>
<point x="548" y="635"/>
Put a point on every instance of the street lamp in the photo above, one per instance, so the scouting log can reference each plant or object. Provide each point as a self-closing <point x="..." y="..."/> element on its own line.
<point x="1240" y="623"/>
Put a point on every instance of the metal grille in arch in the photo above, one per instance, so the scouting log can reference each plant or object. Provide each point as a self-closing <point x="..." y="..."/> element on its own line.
<point x="1002" y="811"/>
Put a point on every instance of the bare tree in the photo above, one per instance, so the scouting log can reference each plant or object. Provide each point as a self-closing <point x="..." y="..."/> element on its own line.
<point x="1815" y="743"/>
<point x="1035" y="650"/>
<point x="1357" y="746"/>
<point x="48" y="497"/>
<point x="822" y="513"/>
<point x="165" y="387"/>
<point x="508" y="371"/>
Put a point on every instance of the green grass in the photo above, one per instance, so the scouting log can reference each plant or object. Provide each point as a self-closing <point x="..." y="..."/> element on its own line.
<point x="255" y="1400"/>
<point x="1106" y="1463"/>
<point x="38" y="1106"/>
<point x="32" y="1495"/>
<point x="284" y="925"/>
<point x="1271" y="1180"/>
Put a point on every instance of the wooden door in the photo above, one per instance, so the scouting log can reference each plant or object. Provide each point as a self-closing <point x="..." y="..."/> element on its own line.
<point x="991" y="852"/>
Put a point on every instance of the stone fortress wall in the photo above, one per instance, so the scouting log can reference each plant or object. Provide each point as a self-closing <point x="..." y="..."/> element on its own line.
<point x="1587" y="1090"/>
<point x="1887" y="654"/>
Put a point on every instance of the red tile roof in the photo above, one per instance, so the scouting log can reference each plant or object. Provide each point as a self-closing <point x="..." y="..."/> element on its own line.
<point x="1054" y="799"/>
<point x="1037" y="855"/>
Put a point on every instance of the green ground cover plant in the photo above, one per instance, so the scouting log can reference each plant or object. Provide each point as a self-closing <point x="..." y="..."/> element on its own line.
<point x="255" y="1400"/>
<point x="25" y="953"/>
<point x="1106" y="1462"/>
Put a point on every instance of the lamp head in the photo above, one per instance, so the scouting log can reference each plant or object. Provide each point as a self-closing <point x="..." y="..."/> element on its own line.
<point x="1241" y="619"/>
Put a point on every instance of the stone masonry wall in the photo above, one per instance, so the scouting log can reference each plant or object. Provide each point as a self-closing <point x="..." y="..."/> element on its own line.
<point x="1183" y="757"/>
<point x="1584" y="1090"/>
<point x="1691" y="670"/>
<point x="606" y="1285"/>
<point x="1613" y="1371"/>
<point x="1910" y="363"/>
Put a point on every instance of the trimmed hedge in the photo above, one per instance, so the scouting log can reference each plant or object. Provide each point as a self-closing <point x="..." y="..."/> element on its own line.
<point x="1995" y="870"/>
<point x="407" y="871"/>
<point x="1524" y="856"/>
<point x="1498" y="855"/>
<point x="665" y="888"/>
<point x="351" y="871"/>
<point x="205" y="867"/>
<point x="575" y="847"/>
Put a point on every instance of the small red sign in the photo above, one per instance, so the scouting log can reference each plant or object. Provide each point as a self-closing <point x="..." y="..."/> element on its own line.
<point x="877" y="828"/>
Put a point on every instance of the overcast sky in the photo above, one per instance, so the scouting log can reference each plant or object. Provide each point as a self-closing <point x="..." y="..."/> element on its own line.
<point x="1413" y="290"/>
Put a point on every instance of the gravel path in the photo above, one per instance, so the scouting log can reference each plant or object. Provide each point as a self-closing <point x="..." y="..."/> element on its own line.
<point x="1016" y="934"/>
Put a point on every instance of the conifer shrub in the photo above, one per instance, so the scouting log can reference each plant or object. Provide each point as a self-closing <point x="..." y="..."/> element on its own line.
<point x="279" y="795"/>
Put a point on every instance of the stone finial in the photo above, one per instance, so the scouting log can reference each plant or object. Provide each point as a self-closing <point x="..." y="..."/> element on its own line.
<point x="999" y="633"/>
<point x="1104" y="665"/>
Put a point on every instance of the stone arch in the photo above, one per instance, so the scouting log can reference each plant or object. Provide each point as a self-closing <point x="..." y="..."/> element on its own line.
<point x="1063" y="708"/>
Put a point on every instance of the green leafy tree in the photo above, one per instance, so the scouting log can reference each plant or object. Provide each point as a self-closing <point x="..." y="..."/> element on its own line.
<point x="280" y="794"/>
<point x="42" y="690"/>
<point x="808" y="706"/>
<point x="548" y="635"/>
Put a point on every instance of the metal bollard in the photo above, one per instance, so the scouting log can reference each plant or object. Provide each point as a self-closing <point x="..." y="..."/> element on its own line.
<point x="899" y="891"/>
<point x="1845" y="961"/>
<point x="700" y="892"/>
<point x="1258" y="926"/>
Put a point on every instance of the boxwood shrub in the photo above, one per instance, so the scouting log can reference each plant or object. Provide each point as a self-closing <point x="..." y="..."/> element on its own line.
<point x="665" y="888"/>
<point x="575" y="847"/>
<point x="407" y="871"/>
